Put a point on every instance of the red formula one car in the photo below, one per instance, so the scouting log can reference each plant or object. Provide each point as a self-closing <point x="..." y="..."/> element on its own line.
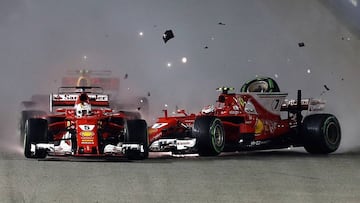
<point x="39" y="103"/>
<point x="259" y="117"/>
<point x="85" y="126"/>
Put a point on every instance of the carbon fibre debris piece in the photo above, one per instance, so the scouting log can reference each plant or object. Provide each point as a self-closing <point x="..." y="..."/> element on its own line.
<point x="168" y="34"/>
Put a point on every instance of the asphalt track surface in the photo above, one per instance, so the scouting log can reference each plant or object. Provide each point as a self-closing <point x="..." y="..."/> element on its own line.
<point x="267" y="176"/>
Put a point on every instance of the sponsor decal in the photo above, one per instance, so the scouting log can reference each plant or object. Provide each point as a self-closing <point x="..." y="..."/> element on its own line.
<point x="159" y="125"/>
<point x="87" y="141"/>
<point x="87" y="127"/>
<point x="259" y="127"/>
<point x="257" y="143"/>
<point x="270" y="126"/>
<point x="189" y="121"/>
<point x="183" y="142"/>
<point x="233" y="112"/>
<point x="84" y="143"/>
<point x="87" y="133"/>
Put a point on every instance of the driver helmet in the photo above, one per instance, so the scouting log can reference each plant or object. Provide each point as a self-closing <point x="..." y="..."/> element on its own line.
<point x="208" y="109"/>
<point x="83" y="107"/>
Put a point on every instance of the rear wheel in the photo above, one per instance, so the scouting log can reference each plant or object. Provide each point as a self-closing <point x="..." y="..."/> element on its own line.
<point x="35" y="132"/>
<point x="210" y="135"/>
<point x="137" y="134"/>
<point x="322" y="133"/>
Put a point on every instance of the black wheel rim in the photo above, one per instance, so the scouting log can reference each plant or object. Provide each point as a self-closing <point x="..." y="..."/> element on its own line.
<point x="332" y="133"/>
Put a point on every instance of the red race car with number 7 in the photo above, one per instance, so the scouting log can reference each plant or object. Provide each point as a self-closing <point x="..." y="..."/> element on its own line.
<point x="82" y="124"/>
<point x="258" y="118"/>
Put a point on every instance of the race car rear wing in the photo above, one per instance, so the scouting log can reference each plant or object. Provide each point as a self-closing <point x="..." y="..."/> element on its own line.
<point x="81" y="89"/>
<point x="305" y="104"/>
<point x="69" y="99"/>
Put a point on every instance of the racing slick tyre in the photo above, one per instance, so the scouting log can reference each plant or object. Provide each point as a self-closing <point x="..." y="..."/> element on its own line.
<point x="23" y="117"/>
<point x="137" y="134"/>
<point x="35" y="132"/>
<point x="321" y="133"/>
<point x="210" y="135"/>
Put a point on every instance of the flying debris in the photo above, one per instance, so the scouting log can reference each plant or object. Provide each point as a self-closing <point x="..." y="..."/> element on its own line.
<point x="301" y="44"/>
<point x="168" y="34"/>
<point x="148" y="94"/>
<point x="206" y="47"/>
<point x="327" y="88"/>
<point x="126" y="76"/>
<point x="220" y="23"/>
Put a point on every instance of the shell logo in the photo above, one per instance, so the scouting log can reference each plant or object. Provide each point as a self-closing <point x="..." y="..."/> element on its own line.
<point x="87" y="133"/>
<point x="259" y="126"/>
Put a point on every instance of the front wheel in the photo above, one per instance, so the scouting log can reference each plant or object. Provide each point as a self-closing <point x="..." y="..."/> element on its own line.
<point x="321" y="133"/>
<point x="25" y="115"/>
<point x="210" y="135"/>
<point x="35" y="132"/>
<point x="137" y="134"/>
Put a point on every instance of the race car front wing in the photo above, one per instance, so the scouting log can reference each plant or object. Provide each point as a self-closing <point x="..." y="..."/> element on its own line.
<point x="64" y="149"/>
<point x="173" y="144"/>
